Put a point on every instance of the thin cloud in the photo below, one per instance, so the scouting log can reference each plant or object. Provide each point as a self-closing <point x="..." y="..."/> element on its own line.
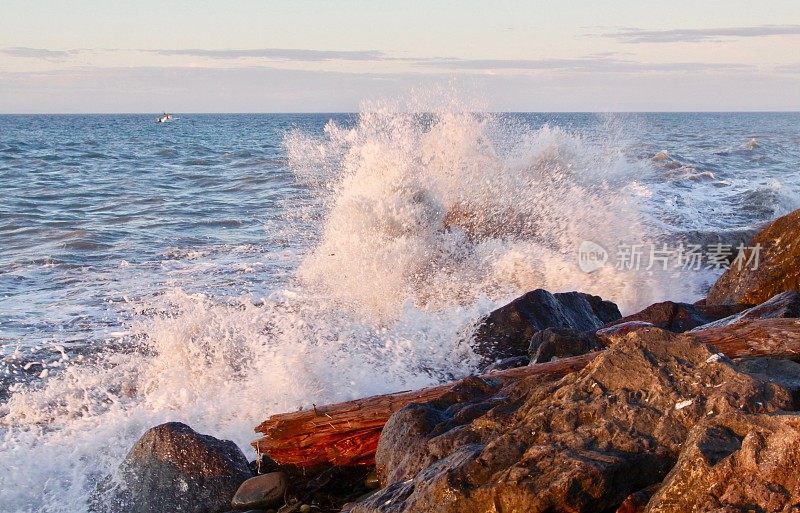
<point x="789" y="68"/>
<point x="270" y="89"/>
<point x="636" y="35"/>
<point x="288" y="54"/>
<point x="35" y="53"/>
<point x="585" y="64"/>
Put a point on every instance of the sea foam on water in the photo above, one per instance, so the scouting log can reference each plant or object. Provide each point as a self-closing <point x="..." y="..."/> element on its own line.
<point x="428" y="221"/>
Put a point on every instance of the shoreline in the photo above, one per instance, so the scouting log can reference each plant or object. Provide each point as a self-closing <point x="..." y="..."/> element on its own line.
<point x="588" y="437"/>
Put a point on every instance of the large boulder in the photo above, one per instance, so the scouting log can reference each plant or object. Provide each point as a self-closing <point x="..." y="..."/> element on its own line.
<point x="736" y="462"/>
<point x="552" y="343"/>
<point x="173" y="468"/>
<point x="583" y="444"/>
<point x="507" y="331"/>
<point x="778" y="270"/>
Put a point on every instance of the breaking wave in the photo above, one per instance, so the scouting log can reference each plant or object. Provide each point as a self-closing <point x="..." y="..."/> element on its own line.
<point x="426" y="223"/>
<point x="443" y="208"/>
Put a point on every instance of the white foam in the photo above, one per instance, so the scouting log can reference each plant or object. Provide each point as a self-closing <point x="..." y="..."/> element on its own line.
<point x="430" y="221"/>
<point x="444" y="208"/>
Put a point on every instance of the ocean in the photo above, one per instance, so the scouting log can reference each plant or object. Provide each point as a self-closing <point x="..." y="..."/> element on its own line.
<point x="217" y="269"/>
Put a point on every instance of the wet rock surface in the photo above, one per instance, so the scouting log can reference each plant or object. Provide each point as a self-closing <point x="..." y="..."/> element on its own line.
<point x="174" y="468"/>
<point x="506" y="363"/>
<point x="736" y="462"/>
<point x="553" y="343"/>
<point x="507" y="331"/>
<point x="656" y="422"/>
<point x="680" y="317"/>
<point x="586" y="443"/>
<point x="777" y="269"/>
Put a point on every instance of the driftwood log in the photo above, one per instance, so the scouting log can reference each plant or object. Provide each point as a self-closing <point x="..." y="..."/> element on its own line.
<point x="347" y="433"/>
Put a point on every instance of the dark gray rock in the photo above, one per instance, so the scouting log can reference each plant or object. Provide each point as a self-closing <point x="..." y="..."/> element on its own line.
<point x="262" y="491"/>
<point x="174" y="468"/>
<point x="506" y="363"/>
<point x="507" y="331"/>
<point x="561" y="343"/>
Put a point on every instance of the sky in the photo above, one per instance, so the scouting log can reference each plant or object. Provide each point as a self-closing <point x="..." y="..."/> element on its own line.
<point x="331" y="56"/>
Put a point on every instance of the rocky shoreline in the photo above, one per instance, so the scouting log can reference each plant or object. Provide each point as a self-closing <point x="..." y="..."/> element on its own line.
<point x="659" y="420"/>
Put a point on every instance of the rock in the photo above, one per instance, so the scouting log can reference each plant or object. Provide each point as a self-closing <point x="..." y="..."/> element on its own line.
<point x="777" y="271"/>
<point x="507" y="331"/>
<point x="326" y="488"/>
<point x="608" y="335"/>
<point x="349" y="506"/>
<point x="413" y="425"/>
<point x="736" y="462"/>
<point x="174" y="468"/>
<point x="506" y="363"/>
<point x="680" y="317"/>
<point x="262" y="491"/>
<point x="560" y="343"/>
<point x="785" y="373"/>
<point x="783" y="305"/>
<point x="583" y="444"/>
<point x="637" y="502"/>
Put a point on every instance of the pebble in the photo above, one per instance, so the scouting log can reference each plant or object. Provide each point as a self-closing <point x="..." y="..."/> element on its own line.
<point x="262" y="491"/>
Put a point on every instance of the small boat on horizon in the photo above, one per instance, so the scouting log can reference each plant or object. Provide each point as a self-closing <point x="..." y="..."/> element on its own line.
<point x="164" y="118"/>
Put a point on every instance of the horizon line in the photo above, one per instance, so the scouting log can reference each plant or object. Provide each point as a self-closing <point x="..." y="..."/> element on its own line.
<point x="212" y="113"/>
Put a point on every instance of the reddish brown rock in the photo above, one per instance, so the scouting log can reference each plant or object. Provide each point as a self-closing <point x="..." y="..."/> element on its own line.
<point x="583" y="444"/>
<point x="736" y="462"/>
<point x="680" y="317"/>
<point x="782" y="306"/>
<point x="347" y="433"/>
<point x="615" y="331"/>
<point x="637" y="502"/>
<point x="785" y="373"/>
<point x="778" y="270"/>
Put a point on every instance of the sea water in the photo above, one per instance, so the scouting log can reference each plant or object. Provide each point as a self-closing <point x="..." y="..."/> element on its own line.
<point x="217" y="269"/>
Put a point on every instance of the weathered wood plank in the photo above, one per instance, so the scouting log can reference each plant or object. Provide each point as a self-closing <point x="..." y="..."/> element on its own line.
<point x="347" y="433"/>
